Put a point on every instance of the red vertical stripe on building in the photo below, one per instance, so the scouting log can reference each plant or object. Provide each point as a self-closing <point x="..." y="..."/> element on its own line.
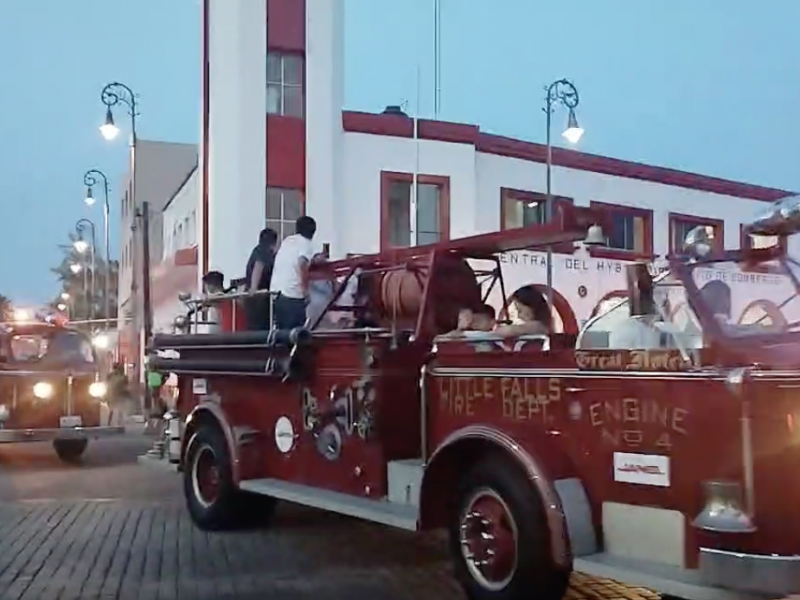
<point x="286" y="136"/>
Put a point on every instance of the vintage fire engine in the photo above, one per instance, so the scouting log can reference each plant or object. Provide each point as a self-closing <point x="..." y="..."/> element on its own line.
<point x="51" y="388"/>
<point x="657" y="447"/>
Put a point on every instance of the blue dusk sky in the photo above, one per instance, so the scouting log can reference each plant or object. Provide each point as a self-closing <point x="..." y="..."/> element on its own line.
<point x="706" y="86"/>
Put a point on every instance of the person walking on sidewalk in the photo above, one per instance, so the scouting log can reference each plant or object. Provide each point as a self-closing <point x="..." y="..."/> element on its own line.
<point x="119" y="394"/>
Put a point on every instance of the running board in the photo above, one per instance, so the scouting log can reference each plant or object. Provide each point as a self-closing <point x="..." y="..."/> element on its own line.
<point x="666" y="580"/>
<point x="402" y="516"/>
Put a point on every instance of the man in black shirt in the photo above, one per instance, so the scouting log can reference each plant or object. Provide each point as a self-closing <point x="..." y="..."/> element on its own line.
<point x="258" y="276"/>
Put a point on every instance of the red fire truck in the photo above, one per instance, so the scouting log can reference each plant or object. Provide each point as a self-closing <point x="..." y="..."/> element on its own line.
<point x="656" y="447"/>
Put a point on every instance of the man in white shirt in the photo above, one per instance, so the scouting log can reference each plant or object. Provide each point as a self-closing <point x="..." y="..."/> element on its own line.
<point x="290" y="275"/>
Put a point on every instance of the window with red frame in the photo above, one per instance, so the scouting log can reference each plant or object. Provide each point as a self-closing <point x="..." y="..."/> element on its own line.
<point x="521" y="208"/>
<point x="680" y="225"/>
<point x="761" y="241"/>
<point x="285" y="84"/>
<point x="432" y="214"/>
<point x="284" y="206"/>
<point x="629" y="232"/>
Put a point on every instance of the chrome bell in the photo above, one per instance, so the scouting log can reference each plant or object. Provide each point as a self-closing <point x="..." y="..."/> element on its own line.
<point x="595" y="237"/>
<point x="723" y="511"/>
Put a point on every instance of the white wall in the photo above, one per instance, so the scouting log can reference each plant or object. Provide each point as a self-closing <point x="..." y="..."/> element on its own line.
<point x="237" y="130"/>
<point x="365" y="156"/>
<point x="475" y="182"/>
<point x="324" y="133"/>
<point x="179" y="221"/>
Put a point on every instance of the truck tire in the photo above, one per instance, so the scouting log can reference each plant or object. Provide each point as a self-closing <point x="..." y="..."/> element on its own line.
<point x="70" y="451"/>
<point x="213" y="500"/>
<point x="499" y="537"/>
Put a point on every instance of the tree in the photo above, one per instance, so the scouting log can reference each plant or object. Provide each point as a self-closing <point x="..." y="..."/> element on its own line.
<point x="6" y="309"/>
<point x="81" y="303"/>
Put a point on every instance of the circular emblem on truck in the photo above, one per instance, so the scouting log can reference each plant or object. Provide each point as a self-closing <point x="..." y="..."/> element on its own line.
<point x="284" y="434"/>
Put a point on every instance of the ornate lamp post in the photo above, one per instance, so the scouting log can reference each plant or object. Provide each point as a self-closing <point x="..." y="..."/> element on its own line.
<point x="82" y="246"/>
<point x="559" y="92"/>
<point x="115" y="94"/>
<point x="90" y="179"/>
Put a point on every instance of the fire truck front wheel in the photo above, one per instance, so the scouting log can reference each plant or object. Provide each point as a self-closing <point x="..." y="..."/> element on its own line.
<point x="213" y="500"/>
<point x="499" y="538"/>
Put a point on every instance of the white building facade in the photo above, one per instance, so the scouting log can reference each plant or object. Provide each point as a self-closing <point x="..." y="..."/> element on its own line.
<point x="275" y="143"/>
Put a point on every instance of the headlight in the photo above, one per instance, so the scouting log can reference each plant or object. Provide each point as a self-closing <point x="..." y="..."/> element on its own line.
<point x="98" y="389"/>
<point x="100" y="341"/>
<point x="4" y="412"/>
<point x="43" y="390"/>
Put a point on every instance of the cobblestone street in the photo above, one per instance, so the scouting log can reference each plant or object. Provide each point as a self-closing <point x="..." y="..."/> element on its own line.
<point x="114" y="529"/>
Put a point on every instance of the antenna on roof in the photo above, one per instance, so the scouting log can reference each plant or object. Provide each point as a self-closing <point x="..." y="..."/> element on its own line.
<point x="415" y="176"/>
<point x="437" y="58"/>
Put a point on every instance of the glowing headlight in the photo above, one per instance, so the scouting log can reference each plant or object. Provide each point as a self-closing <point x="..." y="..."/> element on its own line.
<point x="43" y="390"/>
<point x="4" y="412"/>
<point x="100" y="341"/>
<point x="98" y="389"/>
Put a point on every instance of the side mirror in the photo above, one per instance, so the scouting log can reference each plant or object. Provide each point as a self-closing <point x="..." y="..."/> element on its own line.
<point x="184" y="296"/>
<point x="640" y="290"/>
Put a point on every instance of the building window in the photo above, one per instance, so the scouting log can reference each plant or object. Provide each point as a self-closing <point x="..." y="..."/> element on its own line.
<point x="680" y="226"/>
<point x="522" y="208"/>
<point x="519" y="208"/>
<point x="432" y="210"/>
<point x="285" y="84"/>
<point x="283" y="208"/>
<point x="761" y="241"/>
<point x="628" y="230"/>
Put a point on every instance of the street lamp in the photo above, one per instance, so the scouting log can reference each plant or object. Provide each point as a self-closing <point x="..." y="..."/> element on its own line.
<point x="65" y="296"/>
<point x="559" y="92"/>
<point x="90" y="179"/>
<point x="80" y="226"/>
<point x="61" y="306"/>
<point x="113" y="94"/>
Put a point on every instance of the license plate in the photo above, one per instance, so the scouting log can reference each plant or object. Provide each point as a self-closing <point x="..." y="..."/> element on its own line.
<point x="74" y="421"/>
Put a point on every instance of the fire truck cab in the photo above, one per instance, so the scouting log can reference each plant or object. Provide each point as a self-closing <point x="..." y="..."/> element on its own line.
<point x="655" y="447"/>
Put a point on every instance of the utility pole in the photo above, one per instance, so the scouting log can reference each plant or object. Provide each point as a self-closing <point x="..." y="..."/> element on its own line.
<point x="147" y="308"/>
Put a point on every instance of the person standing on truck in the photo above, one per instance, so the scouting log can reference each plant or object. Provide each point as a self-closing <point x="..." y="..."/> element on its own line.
<point x="290" y="275"/>
<point x="258" y="275"/>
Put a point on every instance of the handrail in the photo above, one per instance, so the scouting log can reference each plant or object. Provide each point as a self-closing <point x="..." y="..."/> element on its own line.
<point x="214" y="298"/>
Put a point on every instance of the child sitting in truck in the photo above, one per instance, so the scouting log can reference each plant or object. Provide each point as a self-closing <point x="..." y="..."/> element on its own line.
<point x="483" y="318"/>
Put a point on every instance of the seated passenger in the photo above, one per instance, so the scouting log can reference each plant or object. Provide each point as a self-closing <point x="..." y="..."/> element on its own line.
<point x="530" y="314"/>
<point x="320" y="293"/>
<point x="213" y="284"/>
<point x="481" y="319"/>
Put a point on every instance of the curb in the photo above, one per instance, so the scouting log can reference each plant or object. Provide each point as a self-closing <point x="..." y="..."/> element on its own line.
<point x="157" y="463"/>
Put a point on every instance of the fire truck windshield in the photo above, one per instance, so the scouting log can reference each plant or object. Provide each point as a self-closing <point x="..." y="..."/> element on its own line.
<point x="61" y="346"/>
<point x="750" y="299"/>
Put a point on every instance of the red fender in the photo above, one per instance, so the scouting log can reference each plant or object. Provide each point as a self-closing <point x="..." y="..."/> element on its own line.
<point x="216" y="413"/>
<point x="556" y="521"/>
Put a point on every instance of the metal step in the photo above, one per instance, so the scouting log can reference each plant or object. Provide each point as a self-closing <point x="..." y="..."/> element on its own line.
<point x="666" y="580"/>
<point x="402" y="516"/>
